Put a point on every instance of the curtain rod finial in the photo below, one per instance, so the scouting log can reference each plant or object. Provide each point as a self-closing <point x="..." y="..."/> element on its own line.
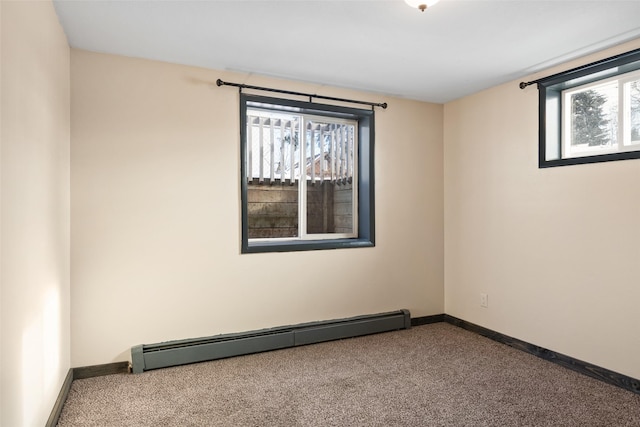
<point x="219" y="82"/>
<point x="523" y="85"/>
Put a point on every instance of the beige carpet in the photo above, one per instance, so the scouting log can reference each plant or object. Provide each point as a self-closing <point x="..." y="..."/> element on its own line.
<point x="432" y="375"/>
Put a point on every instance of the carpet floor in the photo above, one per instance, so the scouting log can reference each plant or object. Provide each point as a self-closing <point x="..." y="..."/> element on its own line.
<point x="431" y="375"/>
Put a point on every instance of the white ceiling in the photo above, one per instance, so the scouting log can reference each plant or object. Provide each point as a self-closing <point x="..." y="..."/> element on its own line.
<point x="455" y="48"/>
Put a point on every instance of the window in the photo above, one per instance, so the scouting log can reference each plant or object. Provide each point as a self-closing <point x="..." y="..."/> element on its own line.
<point x="592" y="113"/>
<point x="307" y="175"/>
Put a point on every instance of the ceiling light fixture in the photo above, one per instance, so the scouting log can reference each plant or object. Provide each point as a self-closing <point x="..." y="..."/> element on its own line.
<point x="421" y="4"/>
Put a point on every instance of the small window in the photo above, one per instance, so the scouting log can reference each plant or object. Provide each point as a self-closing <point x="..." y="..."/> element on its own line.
<point x="307" y="175"/>
<point x="591" y="114"/>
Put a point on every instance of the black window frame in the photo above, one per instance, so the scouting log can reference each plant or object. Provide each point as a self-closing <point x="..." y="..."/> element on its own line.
<point x="550" y="107"/>
<point x="366" y="177"/>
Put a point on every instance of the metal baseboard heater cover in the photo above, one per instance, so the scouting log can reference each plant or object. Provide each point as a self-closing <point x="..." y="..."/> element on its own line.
<point x="146" y="357"/>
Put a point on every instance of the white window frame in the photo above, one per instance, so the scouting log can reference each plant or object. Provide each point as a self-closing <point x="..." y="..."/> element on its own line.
<point x="302" y="189"/>
<point x="305" y="119"/>
<point x="623" y="131"/>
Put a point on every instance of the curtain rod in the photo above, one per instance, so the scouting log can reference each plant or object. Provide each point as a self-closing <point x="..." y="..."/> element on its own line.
<point x="219" y="82"/>
<point x="582" y="68"/>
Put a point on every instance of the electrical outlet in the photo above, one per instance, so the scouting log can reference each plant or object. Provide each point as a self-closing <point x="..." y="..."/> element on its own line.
<point x="484" y="300"/>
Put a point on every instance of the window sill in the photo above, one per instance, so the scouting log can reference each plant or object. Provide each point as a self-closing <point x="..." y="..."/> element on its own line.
<point x="589" y="159"/>
<point x="306" y="245"/>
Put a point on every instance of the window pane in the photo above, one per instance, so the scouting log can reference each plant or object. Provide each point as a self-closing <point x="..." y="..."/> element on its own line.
<point x="632" y="91"/>
<point x="329" y="161"/>
<point x="272" y="174"/>
<point x="594" y="120"/>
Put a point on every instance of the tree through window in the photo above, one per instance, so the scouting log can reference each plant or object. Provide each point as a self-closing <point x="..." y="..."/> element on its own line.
<point x="594" y="119"/>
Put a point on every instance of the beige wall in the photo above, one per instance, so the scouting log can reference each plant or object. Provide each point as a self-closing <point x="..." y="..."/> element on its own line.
<point x="156" y="225"/>
<point x="555" y="249"/>
<point x="35" y="212"/>
<point x="155" y="234"/>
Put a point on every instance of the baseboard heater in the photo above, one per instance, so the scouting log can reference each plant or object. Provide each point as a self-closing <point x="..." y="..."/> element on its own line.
<point x="146" y="357"/>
